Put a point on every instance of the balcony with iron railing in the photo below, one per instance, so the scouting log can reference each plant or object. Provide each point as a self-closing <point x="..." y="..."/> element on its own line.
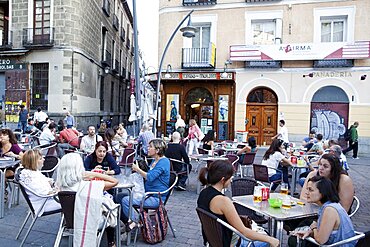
<point x="38" y="37"/>
<point x="198" y="2"/>
<point x="115" y="22"/>
<point x="116" y="66"/>
<point x="106" y="7"/>
<point x="107" y="59"/>
<point x="6" y="40"/>
<point x="123" y="34"/>
<point x="199" y="57"/>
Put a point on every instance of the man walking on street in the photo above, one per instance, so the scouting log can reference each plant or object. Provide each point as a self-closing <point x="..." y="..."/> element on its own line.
<point x="70" y="120"/>
<point x="23" y="117"/>
<point x="283" y="133"/>
<point x="353" y="141"/>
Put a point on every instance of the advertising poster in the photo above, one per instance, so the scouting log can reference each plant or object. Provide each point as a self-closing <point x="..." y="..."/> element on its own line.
<point x="172" y="104"/>
<point x="223" y="107"/>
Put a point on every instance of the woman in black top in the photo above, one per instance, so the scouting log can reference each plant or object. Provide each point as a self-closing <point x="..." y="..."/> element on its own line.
<point x="100" y="157"/>
<point x="209" y="140"/>
<point x="218" y="176"/>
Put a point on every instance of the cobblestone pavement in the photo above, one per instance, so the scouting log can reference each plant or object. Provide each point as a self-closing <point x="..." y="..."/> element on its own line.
<point x="181" y="209"/>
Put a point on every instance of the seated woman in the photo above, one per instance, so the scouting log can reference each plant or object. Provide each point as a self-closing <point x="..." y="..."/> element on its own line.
<point x="209" y="140"/>
<point x="330" y="168"/>
<point x="333" y="224"/>
<point x="156" y="179"/>
<point x="218" y="176"/>
<point x="101" y="158"/>
<point x="71" y="175"/>
<point x="32" y="177"/>
<point x="9" y="148"/>
<point x="275" y="158"/>
<point x="250" y="148"/>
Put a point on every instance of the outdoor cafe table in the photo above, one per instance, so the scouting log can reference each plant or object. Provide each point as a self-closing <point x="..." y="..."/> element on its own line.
<point x="5" y="163"/>
<point x="278" y="214"/>
<point x="123" y="184"/>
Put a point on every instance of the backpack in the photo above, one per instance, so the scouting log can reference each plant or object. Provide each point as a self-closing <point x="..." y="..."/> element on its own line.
<point x="347" y="134"/>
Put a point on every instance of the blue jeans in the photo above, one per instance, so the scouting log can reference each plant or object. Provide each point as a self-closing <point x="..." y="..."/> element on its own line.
<point x="283" y="171"/>
<point x="22" y="125"/>
<point x="149" y="202"/>
<point x="255" y="244"/>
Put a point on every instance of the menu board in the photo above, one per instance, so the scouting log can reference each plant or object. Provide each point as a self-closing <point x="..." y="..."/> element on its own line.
<point x="222" y="131"/>
<point x="170" y="127"/>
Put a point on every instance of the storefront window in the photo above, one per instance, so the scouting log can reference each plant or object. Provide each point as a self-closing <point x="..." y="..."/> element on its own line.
<point x="39" y="85"/>
<point x="262" y="95"/>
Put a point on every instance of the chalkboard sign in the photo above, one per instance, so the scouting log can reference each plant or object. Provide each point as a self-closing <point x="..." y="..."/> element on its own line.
<point x="222" y="131"/>
<point x="170" y="127"/>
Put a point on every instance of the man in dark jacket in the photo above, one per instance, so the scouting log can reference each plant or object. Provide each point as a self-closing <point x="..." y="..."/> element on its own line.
<point x="177" y="151"/>
<point x="353" y="141"/>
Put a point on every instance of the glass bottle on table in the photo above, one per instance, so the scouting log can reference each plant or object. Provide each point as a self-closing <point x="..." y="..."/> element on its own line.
<point x="257" y="194"/>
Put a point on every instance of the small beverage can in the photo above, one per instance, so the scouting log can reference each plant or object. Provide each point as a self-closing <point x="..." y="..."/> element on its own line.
<point x="293" y="159"/>
<point x="265" y="193"/>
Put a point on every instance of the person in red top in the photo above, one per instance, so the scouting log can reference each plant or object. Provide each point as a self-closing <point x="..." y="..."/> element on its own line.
<point x="68" y="138"/>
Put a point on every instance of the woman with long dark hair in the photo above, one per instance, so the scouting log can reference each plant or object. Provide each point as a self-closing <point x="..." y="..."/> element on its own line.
<point x="330" y="168"/>
<point x="275" y="158"/>
<point x="218" y="176"/>
<point x="334" y="223"/>
<point x="101" y="158"/>
<point x="209" y="140"/>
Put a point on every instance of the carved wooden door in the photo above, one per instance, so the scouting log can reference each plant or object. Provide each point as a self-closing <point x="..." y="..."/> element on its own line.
<point x="268" y="123"/>
<point x="261" y="122"/>
<point x="254" y="122"/>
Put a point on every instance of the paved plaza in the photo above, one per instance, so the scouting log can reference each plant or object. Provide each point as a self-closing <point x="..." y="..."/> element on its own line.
<point x="181" y="209"/>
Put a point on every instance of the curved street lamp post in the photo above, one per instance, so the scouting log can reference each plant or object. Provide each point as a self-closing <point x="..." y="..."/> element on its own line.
<point x="188" y="32"/>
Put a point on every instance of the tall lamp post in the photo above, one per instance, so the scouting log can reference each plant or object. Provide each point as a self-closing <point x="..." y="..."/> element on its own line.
<point x="188" y="32"/>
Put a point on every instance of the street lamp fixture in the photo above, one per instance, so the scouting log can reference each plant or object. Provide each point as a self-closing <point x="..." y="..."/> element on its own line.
<point x="224" y="74"/>
<point x="188" y="32"/>
<point x="107" y="70"/>
<point x="168" y="71"/>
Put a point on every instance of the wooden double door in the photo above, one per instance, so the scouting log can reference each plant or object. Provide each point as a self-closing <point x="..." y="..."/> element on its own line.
<point x="261" y="122"/>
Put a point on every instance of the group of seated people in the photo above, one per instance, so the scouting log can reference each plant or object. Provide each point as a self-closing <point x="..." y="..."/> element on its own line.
<point x="329" y="186"/>
<point x="73" y="173"/>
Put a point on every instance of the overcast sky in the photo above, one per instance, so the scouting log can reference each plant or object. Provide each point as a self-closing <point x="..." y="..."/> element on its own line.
<point x="147" y="12"/>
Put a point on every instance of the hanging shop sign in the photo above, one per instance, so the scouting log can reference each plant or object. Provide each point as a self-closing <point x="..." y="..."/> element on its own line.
<point x="301" y="51"/>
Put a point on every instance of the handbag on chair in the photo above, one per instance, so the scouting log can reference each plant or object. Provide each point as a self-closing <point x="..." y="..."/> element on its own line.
<point x="154" y="223"/>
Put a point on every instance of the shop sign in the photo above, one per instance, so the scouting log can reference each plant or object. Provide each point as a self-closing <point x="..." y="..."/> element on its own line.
<point x="332" y="74"/>
<point x="301" y="51"/>
<point x="199" y="76"/>
<point x="7" y="64"/>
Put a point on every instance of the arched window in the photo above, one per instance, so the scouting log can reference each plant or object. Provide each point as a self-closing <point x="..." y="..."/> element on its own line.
<point x="330" y="94"/>
<point x="199" y="95"/>
<point x="262" y="95"/>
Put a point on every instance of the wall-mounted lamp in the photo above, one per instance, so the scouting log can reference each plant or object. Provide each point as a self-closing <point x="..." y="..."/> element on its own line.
<point x="107" y="70"/>
<point x="168" y="70"/>
<point x="308" y="75"/>
<point x="363" y="77"/>
<point x="224" y="74"/>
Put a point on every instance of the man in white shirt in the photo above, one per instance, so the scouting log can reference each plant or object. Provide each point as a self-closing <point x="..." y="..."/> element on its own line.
<point x="88" y="142"/>
<point x="283" y="133"/>
<point x="39" y="117"/>
<point x="48" y="134"/>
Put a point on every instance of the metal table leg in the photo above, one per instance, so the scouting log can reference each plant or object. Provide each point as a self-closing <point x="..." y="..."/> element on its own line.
<point x="294" y="180"/>
<point x="129" y="215"/>
<point x="279" y="230"/>
<point x="118" y="228"/>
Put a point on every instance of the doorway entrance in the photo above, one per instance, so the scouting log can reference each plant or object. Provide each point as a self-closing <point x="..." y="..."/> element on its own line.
<point x="261" y="115"/>
<point x="199" y="106"/>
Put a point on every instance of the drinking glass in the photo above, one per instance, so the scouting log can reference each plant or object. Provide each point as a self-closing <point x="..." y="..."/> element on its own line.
<point x="284" y="188"/>
<point x="257" y="194"/>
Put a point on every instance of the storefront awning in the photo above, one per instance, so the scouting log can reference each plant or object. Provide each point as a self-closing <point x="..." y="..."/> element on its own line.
<point x="12" y="53"/>
<point x="301" y="51"/>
